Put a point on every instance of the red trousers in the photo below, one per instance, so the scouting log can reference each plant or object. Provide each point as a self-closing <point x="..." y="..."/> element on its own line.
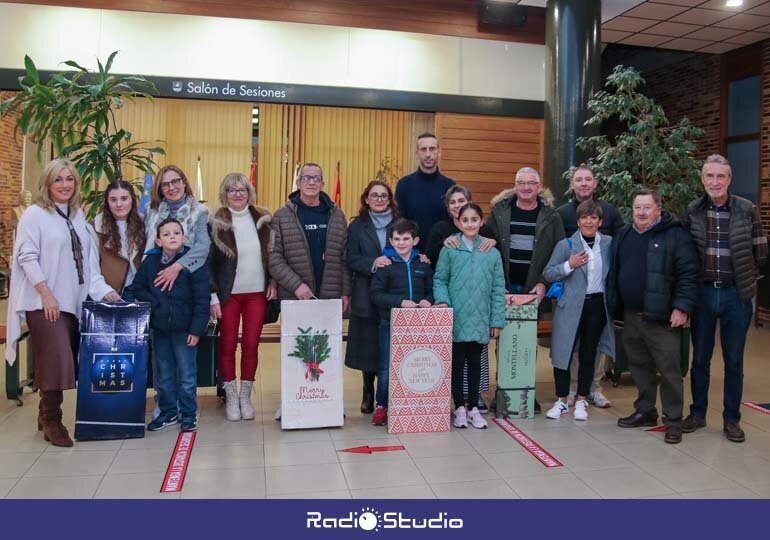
<point x="250" y="306"/>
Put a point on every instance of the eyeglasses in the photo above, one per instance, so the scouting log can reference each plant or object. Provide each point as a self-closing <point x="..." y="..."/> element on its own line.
<point x="379" y="196"/>
<point x="174" y="182"/>
<point x="237" y="191"/>
<point x="527" y="184"/>
<point x="310" y="178"/>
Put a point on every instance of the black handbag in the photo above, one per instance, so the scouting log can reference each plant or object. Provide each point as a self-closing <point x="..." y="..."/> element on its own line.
<point x="273" y="311"/>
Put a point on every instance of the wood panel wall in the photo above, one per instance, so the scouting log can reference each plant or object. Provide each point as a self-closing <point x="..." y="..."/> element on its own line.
<point x="484" y="152"/>
<point x="442" y="17"/>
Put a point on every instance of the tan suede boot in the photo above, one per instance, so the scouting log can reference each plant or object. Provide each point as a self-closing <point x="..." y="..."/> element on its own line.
<point x="53" y="429"/>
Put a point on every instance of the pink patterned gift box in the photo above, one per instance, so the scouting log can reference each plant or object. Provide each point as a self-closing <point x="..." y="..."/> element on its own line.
<point x="420" y="370"/>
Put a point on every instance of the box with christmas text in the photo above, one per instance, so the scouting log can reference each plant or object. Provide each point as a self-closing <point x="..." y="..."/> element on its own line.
<point x="420" y="370"/>
<point x="311" y="364"/>
<point x="516" y="362"/>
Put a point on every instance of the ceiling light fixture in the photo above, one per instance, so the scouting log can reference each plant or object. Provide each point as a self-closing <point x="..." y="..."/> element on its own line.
<point x="734" y="3"/>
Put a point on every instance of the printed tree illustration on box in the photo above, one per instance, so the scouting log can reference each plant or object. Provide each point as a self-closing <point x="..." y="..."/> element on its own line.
<point x="312" y="348"/>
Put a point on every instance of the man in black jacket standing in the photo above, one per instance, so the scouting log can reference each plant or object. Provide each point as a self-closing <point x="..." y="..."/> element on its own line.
<point x="733" y="247"/>
<point x="654" y="289"/>
<point x="420" y="195"/>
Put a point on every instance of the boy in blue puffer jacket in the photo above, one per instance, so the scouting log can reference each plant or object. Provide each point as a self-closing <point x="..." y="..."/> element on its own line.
<point x="472" y="283"/>
<point x="406" y="282"/>
<point x="178" y="319"/>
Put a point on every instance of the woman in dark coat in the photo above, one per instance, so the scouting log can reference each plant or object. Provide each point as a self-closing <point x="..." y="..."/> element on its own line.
<point x="367" y="237"/>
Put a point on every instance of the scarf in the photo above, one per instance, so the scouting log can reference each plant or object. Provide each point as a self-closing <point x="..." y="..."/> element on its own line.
<point x="186" y="211"/>
<point x="381" y="221"/>
<point x="77" y="247"/>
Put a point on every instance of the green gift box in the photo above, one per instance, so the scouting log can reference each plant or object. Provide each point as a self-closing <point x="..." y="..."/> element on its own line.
<point x="516" y="363"/>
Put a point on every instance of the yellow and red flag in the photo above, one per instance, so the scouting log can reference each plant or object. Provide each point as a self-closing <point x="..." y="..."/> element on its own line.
<point x="337" y="196"/>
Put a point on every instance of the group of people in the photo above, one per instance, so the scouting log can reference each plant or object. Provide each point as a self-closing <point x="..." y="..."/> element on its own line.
<point x="425" y="245"/>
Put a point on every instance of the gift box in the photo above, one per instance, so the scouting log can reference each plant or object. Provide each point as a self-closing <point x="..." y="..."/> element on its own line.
<point x="516" y="363"/>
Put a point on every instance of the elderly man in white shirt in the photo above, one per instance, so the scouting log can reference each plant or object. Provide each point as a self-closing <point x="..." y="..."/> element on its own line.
<point x="581" y="321"/>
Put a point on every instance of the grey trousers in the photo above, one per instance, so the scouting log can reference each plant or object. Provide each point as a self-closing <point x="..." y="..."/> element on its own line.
<point x="653" y="347"/>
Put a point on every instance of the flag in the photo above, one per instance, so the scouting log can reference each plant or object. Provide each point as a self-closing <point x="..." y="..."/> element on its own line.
<point x="199" y="183"/>
<point x="144" y="201"/>
<point x="253" y="174"/>
<point x="337" y="195"/>
<point x="296" y="176"/>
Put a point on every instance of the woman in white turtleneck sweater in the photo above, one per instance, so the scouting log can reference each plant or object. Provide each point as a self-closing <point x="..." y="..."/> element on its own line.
<point x="240" y="285"/>
<point x="120" y="236"/>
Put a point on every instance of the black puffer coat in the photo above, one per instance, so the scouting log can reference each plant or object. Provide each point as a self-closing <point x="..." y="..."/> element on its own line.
<point x="673" y="272"/>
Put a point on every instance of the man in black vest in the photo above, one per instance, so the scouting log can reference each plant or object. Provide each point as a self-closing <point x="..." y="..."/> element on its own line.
<point x="583" y="184"/>
<point x="653" y="287"/>
<point x="732" y="247"/>
<point x="420" y="195"/>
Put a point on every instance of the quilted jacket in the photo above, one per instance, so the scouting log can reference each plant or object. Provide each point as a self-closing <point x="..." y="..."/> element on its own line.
<point x="472" y="283"/>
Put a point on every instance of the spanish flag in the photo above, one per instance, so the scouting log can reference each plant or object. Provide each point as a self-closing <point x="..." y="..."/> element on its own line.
<point x="337" y="191"/>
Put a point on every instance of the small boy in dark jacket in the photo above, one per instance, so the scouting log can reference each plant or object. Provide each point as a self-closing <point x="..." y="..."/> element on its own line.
<point x="179" y="317"/>
<point x="406" y="283"/>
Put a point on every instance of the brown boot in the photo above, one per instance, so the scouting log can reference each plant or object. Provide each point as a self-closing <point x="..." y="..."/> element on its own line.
<point x="53" y="429"/>
<point x="40" y="412"/>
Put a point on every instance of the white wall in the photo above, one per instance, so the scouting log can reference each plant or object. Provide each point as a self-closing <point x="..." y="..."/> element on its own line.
<point x="267" y="51"/>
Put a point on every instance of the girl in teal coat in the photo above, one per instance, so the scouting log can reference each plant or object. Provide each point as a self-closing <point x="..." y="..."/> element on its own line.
<point x="472" y="283"/>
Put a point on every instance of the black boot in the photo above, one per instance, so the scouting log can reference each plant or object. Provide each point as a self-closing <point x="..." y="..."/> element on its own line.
<point x="367" y="401"/>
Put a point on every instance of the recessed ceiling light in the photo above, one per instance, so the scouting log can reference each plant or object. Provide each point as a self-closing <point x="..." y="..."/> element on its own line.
<point x="733" y="3"/>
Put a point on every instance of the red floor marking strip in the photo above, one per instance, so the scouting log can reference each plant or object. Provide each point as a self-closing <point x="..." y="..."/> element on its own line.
<point x="537" y="451"/>
<point x="756" y="407"/>
<point x="177" y="467"/>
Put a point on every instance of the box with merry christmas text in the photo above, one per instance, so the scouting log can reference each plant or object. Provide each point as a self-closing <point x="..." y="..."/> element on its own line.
<point x="516" y="362"/>
<point x="311" y="364"/>
<point x="420" y="370"/>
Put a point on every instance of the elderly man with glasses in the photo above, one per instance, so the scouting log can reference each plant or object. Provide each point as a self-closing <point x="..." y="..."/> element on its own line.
<point x="307" y="257"/>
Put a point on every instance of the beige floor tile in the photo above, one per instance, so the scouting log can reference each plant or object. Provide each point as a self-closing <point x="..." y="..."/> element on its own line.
<point x="72" y="463"/>
<point x="88" y="446"/>
<point x="552" y="486"/>
<point x="508" y="464"/>
<point x="552" y="439"/>
<point x="436" y="445"/>
<point x="272" y="433"/>
<point x="133" y="486"/>
<point x="305" y="478"/>
<point x="219" y="433"/>
<point x="710" y="449"/>
<point x="26" y="440"/>
<point x="60" y="487"/>
<point x="224" y="483"/>
<point x="481" y="489"/>
<point x="491" y="441"/>
<point x="422" y="491"/>
<point x="16" y="464"/>
<point x="611" y="433"/>
<point x="727" y="493"/>
<point x="360" y="475"/>
<point x="651" y="451"/>
<point x="591" y="457"/>
<point x="762" y="489"/>
<point x="747" y="471"/>
<point x="239" y="456"/>
<point x="140" y="461"/>
<point x="339" y="494"/>
<point x="670" y="496"/>
<point x="686" y="477"/>
<point x="300" y="453"/>
<point x="360" y="429"/>
<point x="456" y="469"/>
<point x="6" y="484"/>
<point x="628" y="483"/>
<point x="153" y="440"/>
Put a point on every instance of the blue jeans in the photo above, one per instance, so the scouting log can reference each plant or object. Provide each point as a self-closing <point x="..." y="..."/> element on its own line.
<point x="515" y="289"/>
<point x="176" y="376"/>
<point x="383" y="365"/>
<point x="734" y="320"/>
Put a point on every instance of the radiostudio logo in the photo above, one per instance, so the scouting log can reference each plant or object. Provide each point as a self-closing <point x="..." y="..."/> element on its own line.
<point x="371" y="519"/>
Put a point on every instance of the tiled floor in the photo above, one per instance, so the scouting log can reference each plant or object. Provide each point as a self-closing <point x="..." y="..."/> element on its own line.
<point x="256" y="459"/>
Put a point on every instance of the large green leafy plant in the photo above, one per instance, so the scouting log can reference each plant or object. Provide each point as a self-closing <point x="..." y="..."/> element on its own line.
<point x="645" y="150"/>
<point x="75" y="111"/>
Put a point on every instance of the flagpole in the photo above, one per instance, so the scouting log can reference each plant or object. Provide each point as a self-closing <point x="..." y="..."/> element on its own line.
<point x="200" y="181"/>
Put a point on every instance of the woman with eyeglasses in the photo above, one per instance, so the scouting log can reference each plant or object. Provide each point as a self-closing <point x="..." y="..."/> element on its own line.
<point x="172" y="197"/>
<point x="240" y="285"/>
<point x="52" y="275"/>
<point x="367" y="237"/>
<point x="120" y="238"/>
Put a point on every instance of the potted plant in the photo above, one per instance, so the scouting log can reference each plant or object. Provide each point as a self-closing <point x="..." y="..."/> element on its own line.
<point x="75" y="111"/>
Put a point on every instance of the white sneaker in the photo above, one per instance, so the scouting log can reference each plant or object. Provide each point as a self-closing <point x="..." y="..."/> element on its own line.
<point x="232" y="406"/>
<point x="476" y="419"/>
<point x="597" y="399"/>
<point x="247" y="409"/>
<point x="581" y="410"/>
<point x="461" y="418"/>
<point x="559" y="408"/>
